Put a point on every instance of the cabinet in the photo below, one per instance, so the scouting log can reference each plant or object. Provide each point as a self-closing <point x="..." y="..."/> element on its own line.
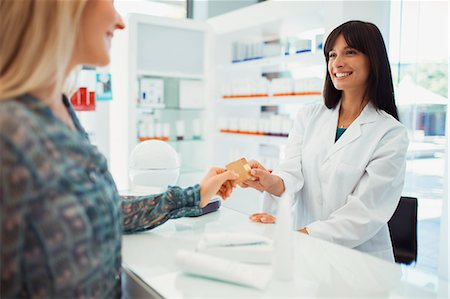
<point x="258" y="65"/>
<point x="258" y="97"/>
<point x="265" y="70"/>
<point x="160" y="66"/>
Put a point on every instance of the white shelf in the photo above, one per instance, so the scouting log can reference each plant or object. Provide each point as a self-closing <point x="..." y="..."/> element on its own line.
<point x="185" y="141"/>
<point x="186" y="170"/>
<point x="261" y="139"/>
<point x="272" y="100"/>
<point x="147" y="109"/>
<point x="306" y="59"/>
<point x="143" y="73"/>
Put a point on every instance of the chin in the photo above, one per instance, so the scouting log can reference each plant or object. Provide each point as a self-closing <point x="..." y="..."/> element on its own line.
<point x="338" y="87"/>
<point x="103" y="61"/>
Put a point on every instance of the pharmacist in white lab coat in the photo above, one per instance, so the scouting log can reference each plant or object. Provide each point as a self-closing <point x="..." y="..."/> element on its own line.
<point x="345" y="158"/>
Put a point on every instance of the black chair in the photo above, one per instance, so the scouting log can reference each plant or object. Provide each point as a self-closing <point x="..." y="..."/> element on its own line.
<point x="403" y="230"/>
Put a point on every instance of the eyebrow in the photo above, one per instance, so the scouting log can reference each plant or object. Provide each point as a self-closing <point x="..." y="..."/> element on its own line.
<point x="346" y="48"/>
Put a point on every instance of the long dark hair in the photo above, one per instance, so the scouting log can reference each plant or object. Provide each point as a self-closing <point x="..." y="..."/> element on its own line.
<point x="366" y="38"/>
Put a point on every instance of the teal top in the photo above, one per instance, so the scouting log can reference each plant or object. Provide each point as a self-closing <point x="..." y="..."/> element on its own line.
<point x="339" y="133"/>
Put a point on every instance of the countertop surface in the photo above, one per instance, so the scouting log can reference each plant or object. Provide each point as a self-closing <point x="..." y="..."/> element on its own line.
<point x="321" y="269"/>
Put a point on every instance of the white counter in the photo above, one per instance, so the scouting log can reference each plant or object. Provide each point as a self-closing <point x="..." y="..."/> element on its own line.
<point x="322" y="269"/>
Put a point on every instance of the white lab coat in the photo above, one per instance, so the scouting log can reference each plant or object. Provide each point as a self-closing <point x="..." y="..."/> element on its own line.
<point x="345" y="191"/>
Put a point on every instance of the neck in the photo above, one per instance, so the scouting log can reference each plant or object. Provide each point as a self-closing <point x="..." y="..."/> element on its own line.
<point x="47" y="95"/>
<point x="56" y="105"/>
<point x="352" y="103"/>
<point x="351" y="106"/>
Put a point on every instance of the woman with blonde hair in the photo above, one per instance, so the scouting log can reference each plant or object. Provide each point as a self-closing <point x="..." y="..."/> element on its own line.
<point x="61" y="216"/>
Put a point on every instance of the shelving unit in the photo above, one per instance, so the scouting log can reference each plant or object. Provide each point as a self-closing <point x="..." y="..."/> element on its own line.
<point x="250" y="138"/>
<point x="150" y="50"/>
<point x="295" y="21"/>
<point x="270" y="101"/>
<point x="202" y="51"/>
<point x="144" y="73"/>
<point x="303" y="59"/>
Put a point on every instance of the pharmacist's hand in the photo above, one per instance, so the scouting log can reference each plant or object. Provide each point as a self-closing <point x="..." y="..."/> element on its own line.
<point x="263" y="218"/>
<point x="217" y="181"/>
<point x="263" y="180"/>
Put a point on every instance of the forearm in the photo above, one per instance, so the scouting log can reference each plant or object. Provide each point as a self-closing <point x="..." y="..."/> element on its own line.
<point x="147" y="212"/>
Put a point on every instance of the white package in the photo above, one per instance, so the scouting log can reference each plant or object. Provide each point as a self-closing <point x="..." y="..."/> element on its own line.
<point x="151" y="92"/>
<point x="232" y="239"/>
<point x="223" y="269"/>
<point x="241" y="247"/>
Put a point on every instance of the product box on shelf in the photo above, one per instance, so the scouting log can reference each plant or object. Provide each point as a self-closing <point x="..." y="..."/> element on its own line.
<point x="191" y="94"/>
<point x="83" y="100"/>
<point x="151" y="92"/>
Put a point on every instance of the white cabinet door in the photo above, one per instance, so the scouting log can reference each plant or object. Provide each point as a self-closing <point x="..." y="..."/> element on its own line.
<point x="151" y="58"/>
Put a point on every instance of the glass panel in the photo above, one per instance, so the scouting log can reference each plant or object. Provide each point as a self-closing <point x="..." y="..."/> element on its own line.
<point x="419" y="56"/>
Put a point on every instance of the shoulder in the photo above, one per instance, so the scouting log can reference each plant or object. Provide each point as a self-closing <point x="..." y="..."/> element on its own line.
<point x="20" y="144"/>
<point x="21" y="125"/>
<point x="380" y="120"/>
<point x="389" y="123"/>
<point x="391" y="132"/>
<point x="14" y="118"/>
<point x="8" y="107"/>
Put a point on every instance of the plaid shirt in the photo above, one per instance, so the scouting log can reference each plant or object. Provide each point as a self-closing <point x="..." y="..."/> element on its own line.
<point x="61" y="216"/>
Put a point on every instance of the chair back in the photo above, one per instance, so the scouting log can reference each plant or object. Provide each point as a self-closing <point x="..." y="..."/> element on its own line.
<point x="403" y="230"/>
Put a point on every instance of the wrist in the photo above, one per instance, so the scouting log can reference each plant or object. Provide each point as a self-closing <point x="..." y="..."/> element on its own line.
<point x="277" y="187"/>
<point x="203" y="197"/>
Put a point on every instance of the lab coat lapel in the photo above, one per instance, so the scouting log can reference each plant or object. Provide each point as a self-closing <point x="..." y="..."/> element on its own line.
<point x="353" y="132"/>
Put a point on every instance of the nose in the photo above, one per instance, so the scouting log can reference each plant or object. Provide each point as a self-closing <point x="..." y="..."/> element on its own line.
<point x="119" y="22"/>
<point x="338" y="62"/>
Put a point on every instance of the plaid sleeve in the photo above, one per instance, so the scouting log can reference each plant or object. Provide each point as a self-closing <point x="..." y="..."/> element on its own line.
<point x="146" y="212"/>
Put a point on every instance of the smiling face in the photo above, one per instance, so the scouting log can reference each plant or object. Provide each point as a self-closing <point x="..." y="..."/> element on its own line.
<point x="348" y="67"/>
<point x="98" y="22"/>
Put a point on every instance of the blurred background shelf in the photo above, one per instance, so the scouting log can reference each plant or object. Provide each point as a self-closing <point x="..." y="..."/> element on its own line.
<point x="306" y="59"/>
<point x="270" y="100"/>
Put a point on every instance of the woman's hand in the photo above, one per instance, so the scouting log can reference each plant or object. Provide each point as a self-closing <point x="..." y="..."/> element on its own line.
<point x="303" y="230"/>
<point x="217" y="181"/>
<point x="263" y="218"/>
<point x="267" y="218"/>
<point x="263" y="180"/>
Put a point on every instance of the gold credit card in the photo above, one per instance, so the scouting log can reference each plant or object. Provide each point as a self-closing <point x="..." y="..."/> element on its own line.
<point x="242" y="168"/>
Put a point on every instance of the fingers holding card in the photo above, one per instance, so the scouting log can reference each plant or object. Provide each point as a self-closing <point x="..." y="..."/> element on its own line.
<point x="242" y="168"/>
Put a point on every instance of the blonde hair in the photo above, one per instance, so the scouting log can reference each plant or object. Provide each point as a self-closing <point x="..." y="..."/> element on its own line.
<point x="36" y="44"/>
